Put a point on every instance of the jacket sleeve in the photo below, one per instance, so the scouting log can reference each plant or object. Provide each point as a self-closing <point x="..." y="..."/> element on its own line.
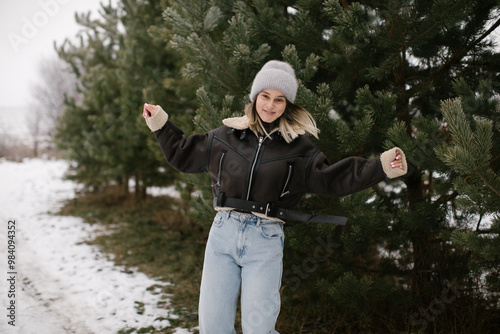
<point x="352" y="174"/>
<point x="185" y="154"/>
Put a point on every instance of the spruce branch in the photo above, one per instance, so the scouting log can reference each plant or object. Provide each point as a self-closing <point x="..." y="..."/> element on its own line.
<point x="470" y="153"/>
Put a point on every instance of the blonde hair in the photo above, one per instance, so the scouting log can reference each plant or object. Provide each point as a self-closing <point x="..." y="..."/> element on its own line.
<point x="294" y="122"/>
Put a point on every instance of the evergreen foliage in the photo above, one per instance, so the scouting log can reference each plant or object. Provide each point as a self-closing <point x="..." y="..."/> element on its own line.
<point x="120" y="66"/>
<point x="477" y="183"/>
<point x="380" y="69"/>
<point x="420" y="253"/>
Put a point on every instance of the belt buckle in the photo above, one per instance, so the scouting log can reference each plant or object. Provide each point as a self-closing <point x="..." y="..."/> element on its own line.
<point x="269" y="208"/>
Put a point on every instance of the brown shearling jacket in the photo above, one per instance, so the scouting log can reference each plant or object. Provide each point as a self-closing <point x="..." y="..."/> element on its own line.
<point x="266" y="169"/>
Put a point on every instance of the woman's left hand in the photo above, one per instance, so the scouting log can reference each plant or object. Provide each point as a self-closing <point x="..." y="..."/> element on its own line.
<point x="397" y="163"/>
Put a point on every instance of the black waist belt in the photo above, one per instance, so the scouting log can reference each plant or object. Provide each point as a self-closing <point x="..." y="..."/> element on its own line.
<point x="271" y="210"/>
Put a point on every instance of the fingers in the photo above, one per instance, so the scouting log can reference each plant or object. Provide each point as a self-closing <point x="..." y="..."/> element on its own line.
<point x="148" y="110"/>
<point x="397" y="163"/>
<point x="145" y="112"/>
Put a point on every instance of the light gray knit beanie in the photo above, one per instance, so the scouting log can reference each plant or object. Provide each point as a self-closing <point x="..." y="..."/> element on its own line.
<point x="276" y="75"/>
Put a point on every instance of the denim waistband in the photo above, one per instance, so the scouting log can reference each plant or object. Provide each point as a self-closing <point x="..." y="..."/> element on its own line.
<point x="247" y="218"/>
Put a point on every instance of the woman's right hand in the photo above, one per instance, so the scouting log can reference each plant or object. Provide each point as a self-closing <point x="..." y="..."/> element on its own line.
<point x="149" y="110"/>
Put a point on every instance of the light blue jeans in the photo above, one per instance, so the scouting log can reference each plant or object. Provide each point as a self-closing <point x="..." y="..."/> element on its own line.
<point x="243" y="252"/>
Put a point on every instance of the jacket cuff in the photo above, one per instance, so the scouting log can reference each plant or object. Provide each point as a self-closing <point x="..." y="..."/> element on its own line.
<point x="157" y="121"/>
<point x="387" y="157"/>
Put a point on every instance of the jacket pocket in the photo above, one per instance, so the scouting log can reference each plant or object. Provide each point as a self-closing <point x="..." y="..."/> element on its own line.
<point x="220" y="165"/>
<point x="284" y="189"/>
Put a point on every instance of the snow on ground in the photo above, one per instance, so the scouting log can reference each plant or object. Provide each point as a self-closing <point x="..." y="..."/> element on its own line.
<point x="64" y="285"/>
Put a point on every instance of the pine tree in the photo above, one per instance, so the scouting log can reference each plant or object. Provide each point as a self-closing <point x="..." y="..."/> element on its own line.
<point x="473" y="157"/>
<point x="373" y="73"/>
<point x="83" y="128"/>
<point x="119" y="68"/>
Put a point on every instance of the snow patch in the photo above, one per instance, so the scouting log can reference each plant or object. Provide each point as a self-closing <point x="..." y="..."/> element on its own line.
<point x="65" y="285"/>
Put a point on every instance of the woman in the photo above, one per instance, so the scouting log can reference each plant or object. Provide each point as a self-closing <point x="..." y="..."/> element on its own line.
<point x="260" y="165"/>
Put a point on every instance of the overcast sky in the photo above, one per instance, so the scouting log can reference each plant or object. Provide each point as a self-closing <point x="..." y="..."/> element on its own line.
<point x="28" y="29"/>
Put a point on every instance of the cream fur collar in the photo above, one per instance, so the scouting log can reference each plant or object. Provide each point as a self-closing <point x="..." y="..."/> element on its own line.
<point x="238" y="123"/>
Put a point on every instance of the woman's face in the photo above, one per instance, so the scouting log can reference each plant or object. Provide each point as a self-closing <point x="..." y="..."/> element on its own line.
<point x="270" y="105"/>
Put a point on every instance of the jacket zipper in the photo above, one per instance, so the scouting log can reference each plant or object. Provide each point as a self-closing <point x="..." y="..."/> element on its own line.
<point x="283" y="192"/>
<point x="261" y="140"/>
<point x="219" y="174"/>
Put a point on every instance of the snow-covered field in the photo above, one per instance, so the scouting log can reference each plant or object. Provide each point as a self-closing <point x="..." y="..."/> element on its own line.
<point x="62" y="284"/>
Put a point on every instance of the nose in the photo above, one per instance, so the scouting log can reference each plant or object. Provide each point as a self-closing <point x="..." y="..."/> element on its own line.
<point x="269" y="105"/>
